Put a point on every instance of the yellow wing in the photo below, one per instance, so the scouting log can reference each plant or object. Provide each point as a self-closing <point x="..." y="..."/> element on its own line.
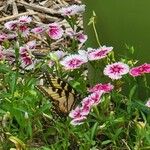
<point x="62" y="95"/>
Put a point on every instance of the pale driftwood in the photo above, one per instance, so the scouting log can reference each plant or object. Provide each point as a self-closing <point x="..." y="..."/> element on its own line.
<point x="15" y="9"/>
<point x="38" y="8"/>
<point x="18" y="15"/>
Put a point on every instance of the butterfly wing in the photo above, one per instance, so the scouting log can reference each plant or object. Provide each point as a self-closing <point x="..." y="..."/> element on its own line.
<point x="62" y="97"/>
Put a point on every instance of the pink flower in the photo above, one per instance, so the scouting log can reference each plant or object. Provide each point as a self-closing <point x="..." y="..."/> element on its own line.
<point x="24" y="29"/>
<point x="140" y="70"/>
<point x="81" y="37"/>
<point x="95" y="54"/>
<point x="76" y="113"/>
<point x="96" y="97"/>
<point x="77" y="116"/>
<point x="24" y="19"/>
<point x="72" y="10"/>
<point x="55" y="31"/>
<point x="3" y="37"/>
<point x="87" y="101"/>
<point x="148" y="103"/>
<point x="31" y="44"/>
<point x="78" y="121"/>
<point x="116" y="70"/>
<point x="26" y="58"/>
<point x="11" y="25"/>
<point x="73" y="61"/>
<point x="106" y="88"/>
<point x="38" y="30"/>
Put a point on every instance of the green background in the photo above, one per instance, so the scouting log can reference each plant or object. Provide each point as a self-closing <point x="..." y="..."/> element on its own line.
<point x="121" y="22"/>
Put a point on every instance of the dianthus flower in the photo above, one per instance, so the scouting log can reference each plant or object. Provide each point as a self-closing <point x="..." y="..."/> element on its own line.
<point x="72" y="10"/>
<point x="24" y="19"/>
<point x="79" y="36"/>
<point x="38" y="30"/>
<point x="26" y="56"/>
<point x="55" y="31"/>
<point x="105" y="88"/>
<point x="11" y="25"/>
<point x="77" y="115"/>
<point x="73" y="61"/>
<point x="140" y="70"/>
<point x="95" y="54"/>
<point x="24" y="29"/>
<point x="116" y="70"/>
<point x="3" y="37"/>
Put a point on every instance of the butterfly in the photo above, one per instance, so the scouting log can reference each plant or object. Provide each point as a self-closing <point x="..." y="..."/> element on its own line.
<point x="61" y="94"/>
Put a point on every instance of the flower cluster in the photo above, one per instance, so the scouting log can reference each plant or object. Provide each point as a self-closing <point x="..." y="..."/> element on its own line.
<point x="76" y="60"/>
<point x="140" y="70"/>
<point x="20" y="25"/>
<point x="79" y="114"/>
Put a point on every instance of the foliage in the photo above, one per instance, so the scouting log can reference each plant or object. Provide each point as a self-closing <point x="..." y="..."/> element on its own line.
<point x="121" y="119"/>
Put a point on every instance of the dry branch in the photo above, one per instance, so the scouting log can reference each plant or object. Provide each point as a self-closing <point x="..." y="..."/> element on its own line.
<point x="15" y="16"/>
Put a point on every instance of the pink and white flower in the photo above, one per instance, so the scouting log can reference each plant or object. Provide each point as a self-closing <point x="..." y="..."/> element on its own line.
<point x="96" y="97"/>
<point x="31" y="44"/>
<point x="24" y="29"/>
<point x="26" y="58"/>
<point x="11" y="25"/>
<point x="72" y="10"/>
<point x="148" y="103"/>
<point x="105" y="88"/>
<point x="76" y="113"/>
<point x="73" y="61"/>
<point x="24" y="19"/>
<point x="55" y="31"/>
<point x="78" y="121"/>
<point x="38" y="30"/>
<point x="116" y="70"/>
<point x="140" y="70"/>
<point x="95" y="54"/>
<point x="3" y="37"/>
<point x="81" y="37"/>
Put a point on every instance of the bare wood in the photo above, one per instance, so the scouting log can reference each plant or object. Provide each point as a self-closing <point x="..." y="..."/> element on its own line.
<point x="15" y="9"/>
<point x="39" y="8"/>
<point x="18" y="15"/>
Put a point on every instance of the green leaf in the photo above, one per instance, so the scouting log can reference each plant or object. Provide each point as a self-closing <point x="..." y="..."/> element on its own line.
<point x="106" y="142"/>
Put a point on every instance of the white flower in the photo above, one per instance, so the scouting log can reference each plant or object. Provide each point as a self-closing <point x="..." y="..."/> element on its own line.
<point x="73" y="61"/>
<point x="72" y="10"/>
<point x="24" y="19"/>
<point x="55" y="31"/>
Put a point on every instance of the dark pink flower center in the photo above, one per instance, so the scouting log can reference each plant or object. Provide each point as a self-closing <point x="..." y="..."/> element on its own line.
<point x="23" y="28"/>
<point x="101" y="53"/>
<point x="116" y="69"/>
<point x="74" y="62"/>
